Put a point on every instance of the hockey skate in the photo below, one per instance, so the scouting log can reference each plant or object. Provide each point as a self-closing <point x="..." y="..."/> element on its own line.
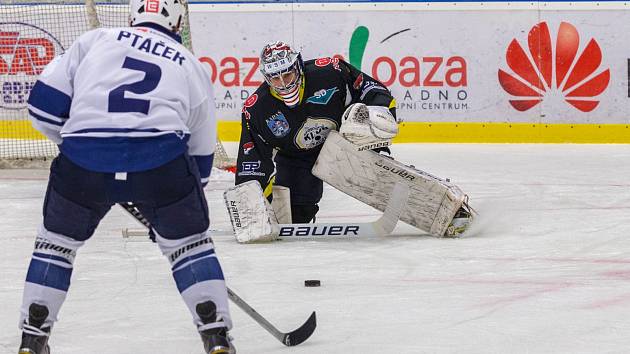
<point x="34" y="335"/>
<point x="215" y="340"/>
<point x="461" y="221"/>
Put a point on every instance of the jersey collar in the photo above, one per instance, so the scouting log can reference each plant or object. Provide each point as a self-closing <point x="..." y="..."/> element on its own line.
<point x="302" y="86"/>
<point x="161" y="29"/>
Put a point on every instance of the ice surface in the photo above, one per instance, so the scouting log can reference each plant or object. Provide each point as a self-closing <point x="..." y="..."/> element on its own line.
<point x="545" y="270"/>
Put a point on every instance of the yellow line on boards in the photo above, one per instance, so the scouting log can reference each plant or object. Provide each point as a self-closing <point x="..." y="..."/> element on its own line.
<point x="229" y="130"/>
<point x="415" y="132"/>
<point x="19" y="129"/>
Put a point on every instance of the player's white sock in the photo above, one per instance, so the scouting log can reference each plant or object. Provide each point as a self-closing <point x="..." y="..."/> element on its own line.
<point x="49" y="272"/>
<point x="198" y="275"/>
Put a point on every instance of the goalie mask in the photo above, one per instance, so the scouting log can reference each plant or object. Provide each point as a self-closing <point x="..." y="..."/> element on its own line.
<point x="283" y="70"/>
<point x="166" y="13"/>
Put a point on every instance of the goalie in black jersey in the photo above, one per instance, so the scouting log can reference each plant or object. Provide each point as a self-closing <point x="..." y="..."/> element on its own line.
<point x="293" y="113"/>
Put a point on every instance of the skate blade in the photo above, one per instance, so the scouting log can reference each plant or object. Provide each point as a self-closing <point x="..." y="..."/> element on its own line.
<point x="457" y="227"/>
<point x="220" y="350"/>
<point x="31" y="351"/>
<point x="463" y="220"/>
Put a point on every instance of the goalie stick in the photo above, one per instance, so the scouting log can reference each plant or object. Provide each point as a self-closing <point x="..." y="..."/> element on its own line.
<point x="289" y="339"/>
<point x="383" y="226"/>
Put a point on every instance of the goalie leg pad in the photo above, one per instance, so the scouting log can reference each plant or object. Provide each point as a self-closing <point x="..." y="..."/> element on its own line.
<point x="281" y="204"/>
<point x="251" y="214"/>
<point x="370" y="178"/>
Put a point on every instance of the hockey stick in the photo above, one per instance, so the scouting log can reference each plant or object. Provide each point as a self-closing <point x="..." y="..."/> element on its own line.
<point x="131" y="209"/>
<point x="289" y="339"/>
<point x="383" y="226"/>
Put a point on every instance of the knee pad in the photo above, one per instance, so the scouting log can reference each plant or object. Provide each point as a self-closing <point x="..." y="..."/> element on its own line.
<point x="302" y="214"/>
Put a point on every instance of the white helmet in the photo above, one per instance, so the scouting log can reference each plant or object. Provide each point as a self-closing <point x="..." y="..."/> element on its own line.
<point x="166" y="13"/>
<point x="283" y="70"/>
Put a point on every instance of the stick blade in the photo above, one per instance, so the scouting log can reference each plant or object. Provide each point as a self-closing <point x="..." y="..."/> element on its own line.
<point x="301" y="334"/>
<point x="395" y="206"/>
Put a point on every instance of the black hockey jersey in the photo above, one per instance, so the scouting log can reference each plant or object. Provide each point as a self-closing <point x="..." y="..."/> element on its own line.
<point x="328" y="87"/>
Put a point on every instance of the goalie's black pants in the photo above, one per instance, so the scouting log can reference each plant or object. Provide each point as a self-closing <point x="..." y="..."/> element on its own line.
<point x="170" y="197"/>
<point x="306" y="189"/>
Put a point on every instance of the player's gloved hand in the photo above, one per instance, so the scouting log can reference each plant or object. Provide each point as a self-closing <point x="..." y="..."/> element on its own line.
<point x="369" y="127"/>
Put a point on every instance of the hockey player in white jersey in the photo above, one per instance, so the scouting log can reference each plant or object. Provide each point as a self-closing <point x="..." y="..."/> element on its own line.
<point x="132" y="112"/>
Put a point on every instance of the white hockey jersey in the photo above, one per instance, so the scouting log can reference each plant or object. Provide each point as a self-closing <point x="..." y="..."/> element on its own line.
<point x="126" y="100"/>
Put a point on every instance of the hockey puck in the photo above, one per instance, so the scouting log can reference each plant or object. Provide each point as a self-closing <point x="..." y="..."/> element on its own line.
<point x="312" y="283"/>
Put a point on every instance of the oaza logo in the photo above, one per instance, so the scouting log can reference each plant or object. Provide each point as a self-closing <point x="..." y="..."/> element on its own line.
<point x="430" y="71"/>
<point x="426" y="83"/>
<point x="541" y="75"/>
<point x="233" y="71"/>
<point x="427" y="80"/>
<point x="409" y="71"/>
<point x="238" y="76"/>
<point x="24" y="52"/>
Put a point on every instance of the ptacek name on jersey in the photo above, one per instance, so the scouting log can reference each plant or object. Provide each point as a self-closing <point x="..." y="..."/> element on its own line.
<point x="157" y="48"/>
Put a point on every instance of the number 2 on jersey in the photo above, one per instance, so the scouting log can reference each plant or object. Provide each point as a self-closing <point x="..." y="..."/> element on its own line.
<point x="117" y="100"/>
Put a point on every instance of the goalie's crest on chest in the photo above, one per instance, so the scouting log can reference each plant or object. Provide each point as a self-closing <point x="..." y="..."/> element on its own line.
<point x="278" y="125"/>
<point x="313" y="132"/>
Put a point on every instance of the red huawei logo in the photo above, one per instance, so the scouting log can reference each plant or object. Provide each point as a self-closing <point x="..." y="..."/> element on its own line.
<point x="542" y="74"/>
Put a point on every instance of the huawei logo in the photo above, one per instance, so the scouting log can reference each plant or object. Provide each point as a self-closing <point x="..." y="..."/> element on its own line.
<point x="549" y="71"/>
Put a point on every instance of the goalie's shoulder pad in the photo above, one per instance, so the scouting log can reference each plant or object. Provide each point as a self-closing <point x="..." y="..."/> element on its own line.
<point x="250" y="213"/>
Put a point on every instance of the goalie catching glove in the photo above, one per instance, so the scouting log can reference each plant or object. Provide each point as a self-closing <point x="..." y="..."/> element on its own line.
<point x="368" y="127"/>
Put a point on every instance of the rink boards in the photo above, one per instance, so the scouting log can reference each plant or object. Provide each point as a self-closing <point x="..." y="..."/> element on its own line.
<point x="501" y="72"/>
